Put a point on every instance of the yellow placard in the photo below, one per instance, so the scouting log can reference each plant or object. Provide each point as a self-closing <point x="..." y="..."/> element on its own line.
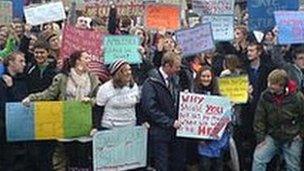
<point x="48" y="120"/>
<point x="236" y="88"/>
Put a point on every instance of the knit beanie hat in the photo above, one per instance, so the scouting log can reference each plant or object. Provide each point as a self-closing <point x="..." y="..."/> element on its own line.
<point x="116" y="65"/>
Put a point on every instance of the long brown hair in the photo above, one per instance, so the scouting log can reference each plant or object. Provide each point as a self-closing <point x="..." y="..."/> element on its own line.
<point x="71" y="61"/>
<point x="213" y="87"/>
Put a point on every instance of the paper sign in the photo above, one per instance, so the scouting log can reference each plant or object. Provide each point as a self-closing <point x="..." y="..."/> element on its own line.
<point x="47" y="120"/>
<point x="75" y="39"/>
<point x="261" y="12"/>
<point x="6" y="12"/>
<point x="211" y="7"/>
<point x="222" y="26"/>
<point x="125" y="47"/>
<point x="235" y="88"/>
<point x="45" y="13"/>
<point x="76" y="118"/>
<point x="195" y="40"/>
<point x="291" y="26"/>
<point x="258" y="36"/>
<point x="120" y="149"/>
<point x="101" y="8"/>
<point x="19" y="122"/>
<point x="160" y="17"/>
<point x="203" y="117"/>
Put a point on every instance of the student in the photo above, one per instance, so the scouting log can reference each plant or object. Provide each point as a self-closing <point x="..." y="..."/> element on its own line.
<point x="75" y="82"/>
<point x="13" y="88"/>
<point x="211" y="152"/>
<point x="116" y="99"/>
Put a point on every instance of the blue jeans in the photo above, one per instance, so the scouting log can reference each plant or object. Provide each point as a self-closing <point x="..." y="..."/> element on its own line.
<point x="291" y="152"/>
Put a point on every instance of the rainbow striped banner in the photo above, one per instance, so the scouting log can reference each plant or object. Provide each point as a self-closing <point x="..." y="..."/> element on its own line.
<point x="48" y="120"/>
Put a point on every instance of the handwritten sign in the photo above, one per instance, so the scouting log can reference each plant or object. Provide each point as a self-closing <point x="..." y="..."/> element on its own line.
<point x="6" y="12"/>
<point x="47" y="120"/>
<point x="126" y="47"/>
<point x="211" y="7"/>
<point x="290" y="25"/>
<point x="195" y="40"/>
<point x="222" y="26"/>
<point x="235" y="88"/>
<point x="79" y="39"/>
<point x="160" y="17"/>
<point x="44" y="13"/>
<point x="101" y="8"/>
<point x="203" y="117"/>
<point x="120" y="149"/>
<point x="261" y="12"/>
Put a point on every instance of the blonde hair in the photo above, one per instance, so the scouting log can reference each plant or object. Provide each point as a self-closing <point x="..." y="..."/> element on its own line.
<point x="170" y="57"/>
<point x="278" y="76"/>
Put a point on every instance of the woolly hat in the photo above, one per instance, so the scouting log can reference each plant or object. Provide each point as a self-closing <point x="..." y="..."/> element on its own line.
<point x="47" y="35"/>
<point x="116" y="65"/>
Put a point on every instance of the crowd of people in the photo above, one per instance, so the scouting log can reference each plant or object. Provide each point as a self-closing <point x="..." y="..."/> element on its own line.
<point x="268" y="129"/>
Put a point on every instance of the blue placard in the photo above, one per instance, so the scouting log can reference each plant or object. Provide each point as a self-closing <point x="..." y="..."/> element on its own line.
<point x="261" y="12"/>
<point x="195" y="40"/>
<point x="222" y="26"/>
<point x="120" y="149"/>
<point x="291" y="26"/>
<point x="19" y="122"/>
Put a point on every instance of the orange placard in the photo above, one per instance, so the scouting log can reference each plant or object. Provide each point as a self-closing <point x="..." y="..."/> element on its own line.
<point x="159" y="16"/>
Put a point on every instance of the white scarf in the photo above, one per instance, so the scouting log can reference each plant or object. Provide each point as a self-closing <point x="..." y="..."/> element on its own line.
<point x="78" y="86"/>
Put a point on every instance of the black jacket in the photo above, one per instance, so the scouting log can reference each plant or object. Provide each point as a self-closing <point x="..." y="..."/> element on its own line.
<point x="259" y="85"/>
<point x="17" y="92"/>
<point x="38" y="81"/>
<point x="159" y="107"/>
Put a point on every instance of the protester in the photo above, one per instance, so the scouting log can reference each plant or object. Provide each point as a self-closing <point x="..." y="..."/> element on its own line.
<point x="75" y="82"/>
<point x="13" y="88"/>
<point x="159" y="105"/>
<point x="52" y="37"/>
<point x="140" y="71"/>
<point x="211" y="152"/>
<point x="295" y="70"/>
<point x="164" y="43"/>
<point x="279" y="129"/>
<point x="41" y="74"/>
<point x="257" y="72"/>
<point x="116" y="99"/>
<point x="214" y="60"/>
<point x="190" y="66"/>
<point x="241" y="42"/>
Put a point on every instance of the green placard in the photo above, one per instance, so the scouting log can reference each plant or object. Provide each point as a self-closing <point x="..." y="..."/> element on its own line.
<point x="77" y="118"/>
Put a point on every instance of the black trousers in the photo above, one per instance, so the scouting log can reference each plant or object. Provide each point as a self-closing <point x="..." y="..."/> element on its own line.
<point x="168" y="155"/>
<point x="14" y="157"/>
<point x="211" y="164"/>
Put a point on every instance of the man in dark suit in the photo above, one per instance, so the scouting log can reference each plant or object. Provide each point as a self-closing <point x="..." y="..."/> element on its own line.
<point x="159" y="105"/>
